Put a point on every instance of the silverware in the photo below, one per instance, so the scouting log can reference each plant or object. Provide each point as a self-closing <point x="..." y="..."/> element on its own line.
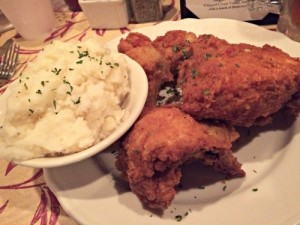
<point x="9" y="59"/>
<point x="5" y="46"/>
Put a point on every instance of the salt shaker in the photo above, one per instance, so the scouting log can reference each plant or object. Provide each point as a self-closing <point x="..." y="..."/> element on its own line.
<point x="147" y="10"/>
<point x="289" y="20"/>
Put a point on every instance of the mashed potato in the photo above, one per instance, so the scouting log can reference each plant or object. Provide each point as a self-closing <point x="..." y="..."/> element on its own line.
<point x="65" y="101"/>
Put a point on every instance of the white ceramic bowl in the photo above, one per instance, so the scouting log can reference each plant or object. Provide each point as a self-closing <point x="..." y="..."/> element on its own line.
<point x="133" y="104"/>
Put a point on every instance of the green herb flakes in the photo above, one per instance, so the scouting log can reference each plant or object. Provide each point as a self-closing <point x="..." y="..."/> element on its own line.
<point x="207" y="55"/>
<point x="56" y="71"/>
<point x="194" y="73"/>
<point x="178" y="218"/>
<point x="171" y="91"/>
<point x="54" y="104"/>
<point x="176" y="48"/>
<point x="39" y="92"/>
<point x="83" y="54"/>
<point x="185" y="54"/>
<point x="206" y="92"/>
<point x="77" y="101"/>
<point x="136" y="152"/>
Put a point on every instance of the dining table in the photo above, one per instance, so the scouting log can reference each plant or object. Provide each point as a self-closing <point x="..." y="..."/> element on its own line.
<point x="25" y="197"/>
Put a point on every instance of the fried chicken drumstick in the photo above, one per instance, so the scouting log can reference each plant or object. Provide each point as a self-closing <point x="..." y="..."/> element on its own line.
<point x="164" y="139"/>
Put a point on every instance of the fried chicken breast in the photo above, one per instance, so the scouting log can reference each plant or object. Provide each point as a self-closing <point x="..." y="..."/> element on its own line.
<point x="164" y="139"/>
<point x="241" y="84"/>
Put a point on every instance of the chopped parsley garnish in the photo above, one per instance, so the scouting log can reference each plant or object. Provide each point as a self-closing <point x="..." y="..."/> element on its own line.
<point x="39" y="92"/>
<point x="77" y="101"/>
<point x="207" y="55"/>
<point x="83" y="54"/>
<point x="136" y="151"/>
<point x="194" y="73"/>
<point x="54" y="104"/>
<point x="176" y="48"/>
<point x="206" y="92"/>
<point x="178" y="218"/>
<point x="185" y="54"/>
<point x="56" y="71"/>
<point x="79" y="62"/>
<point x="71" y="87"/>
<point x="31" y="110"/>
<point x="171" y="91"/>
<point x="66" y="82"/>
<point x="254" y="189"/>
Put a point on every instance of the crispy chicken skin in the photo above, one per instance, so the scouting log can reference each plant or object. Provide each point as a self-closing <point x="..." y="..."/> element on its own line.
<point x="157" y="68"/>
<point x="175" y="46"/>
<point x="164" y="139"/>
<point x="241" y="84"/>
<point x="234" y="84"/>
<point x="133" y="40"/>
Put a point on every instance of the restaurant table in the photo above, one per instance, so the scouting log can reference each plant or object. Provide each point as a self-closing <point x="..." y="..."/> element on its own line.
<point x="24" y="196"/>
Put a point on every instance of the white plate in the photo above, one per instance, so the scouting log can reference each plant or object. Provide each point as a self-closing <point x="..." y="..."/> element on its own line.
<point x="133" y="104"/>
<point x="92" y="192"/>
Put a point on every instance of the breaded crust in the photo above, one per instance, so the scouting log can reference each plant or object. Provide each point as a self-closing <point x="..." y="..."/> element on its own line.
<point x="241" y="84"/>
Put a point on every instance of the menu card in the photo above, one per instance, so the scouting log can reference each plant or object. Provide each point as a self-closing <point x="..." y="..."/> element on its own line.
<point x="245" y="10"/>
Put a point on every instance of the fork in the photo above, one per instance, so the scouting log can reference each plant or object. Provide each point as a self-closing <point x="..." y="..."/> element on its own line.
<point x="9" y="61"/>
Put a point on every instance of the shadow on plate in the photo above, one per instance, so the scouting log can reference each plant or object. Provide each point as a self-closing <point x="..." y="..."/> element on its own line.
<point x="265" y="141"/>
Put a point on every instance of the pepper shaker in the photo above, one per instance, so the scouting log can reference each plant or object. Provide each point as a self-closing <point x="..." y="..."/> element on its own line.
<point x="147" y="10"/>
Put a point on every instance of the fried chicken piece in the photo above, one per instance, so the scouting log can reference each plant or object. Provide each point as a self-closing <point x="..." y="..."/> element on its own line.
<point x="133" y="40"/>
<point x="241" y="84"/>
<point x="175" y="46"/>
<point x="157" y="68"/>
<point x="164" y="139"/>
